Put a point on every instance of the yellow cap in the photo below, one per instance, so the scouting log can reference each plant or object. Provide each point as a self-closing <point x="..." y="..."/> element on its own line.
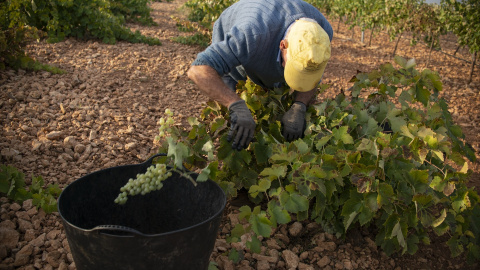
<point x="308" y="52"/>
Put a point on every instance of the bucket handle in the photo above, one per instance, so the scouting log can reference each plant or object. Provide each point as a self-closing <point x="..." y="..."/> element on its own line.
<point x="119" y="228"/>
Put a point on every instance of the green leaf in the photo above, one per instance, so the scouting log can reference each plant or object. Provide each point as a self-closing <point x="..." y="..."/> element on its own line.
<point x="317" y="171"/>
<point x="461" y="202"/>
<point x="341" y="134"/>
<point x="208" y="147"/>
<point x="275" y="172"/>
<point x="400" y="61"/>
<point x="422" y="199"/>
<point x="302" y="147"/>
<point x="225" y="149"/>
<point x="261" y="225"/>
<point x="371" y="127"/>
<point x="322" y="141"/>
<point x="212" y="266"/>
<point x="406" y="132"/>
<point x="179" y="150"/>
<point x="397" y="231"/>
<point x="280" y="215"/>
<point x="441" y="229"/>
<point x="456" y="248"/>
<point x="405" y="98"/>
<point x="262" y="152"/>
<point x="279" y="156"/>
<point x="365" y="216"/>
<point x="245" y="212"/>
<point x="385" y="193"/>
<point x="293" y="202"/>
<point x="419" y="175"/>
<point x="234" y="255"/>
<point x="426" y="219"/>
<point x="203" y="175"/>
<point x="473" y="253"/>
<point x="420" y="180"/>
<point x="237" y="232"/>
<point x="405" y="192"/>
<point x="237" y="160"/>
<point x="349" y="219"/>
<point x="389" y="225"/>
<point x="412" y="244"/>
<point x="371" y="201"/>
<point x="410" y="63"/>
<point x="368" y="146"/>
<point x="396" y="123"/>
<point x="440" y="219"/>
<point x="422" y="94"/>
<point x="218" y="124"/>
<point x="262" y="186"/>
<point x="254" y="245"/>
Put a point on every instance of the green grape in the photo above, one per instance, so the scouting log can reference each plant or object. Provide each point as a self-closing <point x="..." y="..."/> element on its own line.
<point x="144" y="183"/>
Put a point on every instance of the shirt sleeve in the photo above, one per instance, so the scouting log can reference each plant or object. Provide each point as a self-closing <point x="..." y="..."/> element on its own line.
<point x="235" y="49"/>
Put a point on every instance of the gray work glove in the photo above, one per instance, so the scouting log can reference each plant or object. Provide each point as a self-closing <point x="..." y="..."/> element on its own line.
<point x="242" y="125"/>
<point x="293" y="121"/>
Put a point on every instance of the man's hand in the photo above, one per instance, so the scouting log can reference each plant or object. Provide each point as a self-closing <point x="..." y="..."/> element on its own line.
<point x="242" y="125"/>
<point x="293" y="121"/>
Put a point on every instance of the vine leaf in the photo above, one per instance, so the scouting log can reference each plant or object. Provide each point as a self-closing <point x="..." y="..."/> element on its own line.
<point x="398" y="232"/>
<point x="440" y="219"/>
<point x="369" y="146"/>
<point x="254" y="245"/>
<point x="277" y="213"/>
<point x="261" y="225"/>
<point x="341" y="134"/>
<point x="274" y="172"/>
<point x="293" y="202"/>
<point x="179" y="150"/>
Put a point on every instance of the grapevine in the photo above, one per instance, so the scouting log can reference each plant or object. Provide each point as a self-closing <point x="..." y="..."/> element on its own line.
<point x="348" y="170"/>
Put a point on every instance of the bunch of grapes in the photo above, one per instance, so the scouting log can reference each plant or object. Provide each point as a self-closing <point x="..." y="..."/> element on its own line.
<point x="165" y="124"/>
<point x="144" y="183"/>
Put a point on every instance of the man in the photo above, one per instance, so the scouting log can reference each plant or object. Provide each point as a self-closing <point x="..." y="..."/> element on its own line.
<point x="270" y="42"/>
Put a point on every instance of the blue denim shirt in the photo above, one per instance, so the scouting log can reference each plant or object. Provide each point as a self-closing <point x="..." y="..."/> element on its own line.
<point x="246" y="39"/>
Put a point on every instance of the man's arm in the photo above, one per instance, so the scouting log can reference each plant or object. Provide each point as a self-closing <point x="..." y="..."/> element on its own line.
<point x="212" y="85"/>
<point x="242" y="126"/>
<point x="305" y="97"/>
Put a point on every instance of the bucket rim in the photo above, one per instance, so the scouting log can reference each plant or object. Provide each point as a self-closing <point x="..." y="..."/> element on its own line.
<point x="98" y="230"/>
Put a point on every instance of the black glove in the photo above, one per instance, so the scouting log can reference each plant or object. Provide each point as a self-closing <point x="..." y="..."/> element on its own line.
<point x="293" y="121"/>
<point x="242" y="125"/>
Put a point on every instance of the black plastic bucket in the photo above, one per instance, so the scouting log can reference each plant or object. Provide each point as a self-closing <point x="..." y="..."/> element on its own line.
<point x="172" y="228"/>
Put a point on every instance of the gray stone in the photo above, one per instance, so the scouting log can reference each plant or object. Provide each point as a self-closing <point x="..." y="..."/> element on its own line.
<point x="9" y="237"/>
<point x="54" y="135"/>
<point x="295" y="229"/>
<point x="39" y="241"/>
<point x="23" y="255"/>
<point x="291" y="259"/>
<point x="324" y="261"/>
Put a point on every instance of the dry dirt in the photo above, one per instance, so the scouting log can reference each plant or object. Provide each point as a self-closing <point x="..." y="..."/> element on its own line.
<point x="103" y="113"/>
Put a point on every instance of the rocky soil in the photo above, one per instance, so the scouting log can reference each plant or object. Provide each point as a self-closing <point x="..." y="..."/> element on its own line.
<point x="103" y="113"/>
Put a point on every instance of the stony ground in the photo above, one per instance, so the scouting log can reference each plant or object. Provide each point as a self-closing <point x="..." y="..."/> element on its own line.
<point x="103" y="113"/>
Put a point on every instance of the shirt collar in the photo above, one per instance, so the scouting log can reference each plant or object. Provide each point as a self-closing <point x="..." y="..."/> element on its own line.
<point x="279" y="56"/>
